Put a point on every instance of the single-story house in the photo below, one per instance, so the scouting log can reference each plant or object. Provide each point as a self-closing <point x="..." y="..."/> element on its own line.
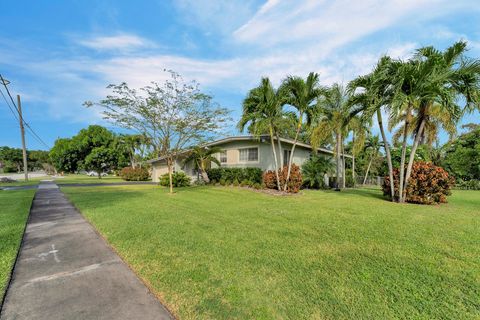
<point x="242" y="151"/>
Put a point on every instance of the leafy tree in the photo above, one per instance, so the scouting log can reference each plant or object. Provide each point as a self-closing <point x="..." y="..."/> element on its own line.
<point x="101" y="159"/>
<point x="173" y="115"/>
<point x="462" y="156"/>
<point x="202" y="158"/>
<point x="11" y="158"/>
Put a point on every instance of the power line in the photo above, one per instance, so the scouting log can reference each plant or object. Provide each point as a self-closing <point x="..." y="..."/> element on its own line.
<point x="32" y="132"/>
<point x="8" y="105"/>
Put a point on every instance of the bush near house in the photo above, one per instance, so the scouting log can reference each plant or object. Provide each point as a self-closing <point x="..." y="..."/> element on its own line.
<point x="134" y="174"/>
<point x="428" y="184"/>
<point x="179" y="179"/>
<point x="294" y="183"/>
<point x="230" y="175"/>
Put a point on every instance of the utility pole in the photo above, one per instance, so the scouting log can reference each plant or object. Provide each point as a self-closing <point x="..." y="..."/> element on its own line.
<point x="22" y="130"/>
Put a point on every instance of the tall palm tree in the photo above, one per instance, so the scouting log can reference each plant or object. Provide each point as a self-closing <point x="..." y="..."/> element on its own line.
<point x="372" y="146"/>
<point x="302" y="94"/>
<point x="202" y="157"/>
<point x="373" y="92"/>
<point x="332" y="115"/>
<point x="451" y="78"/>
<point x="359" y="128"/>
<point x="263" y="112"/>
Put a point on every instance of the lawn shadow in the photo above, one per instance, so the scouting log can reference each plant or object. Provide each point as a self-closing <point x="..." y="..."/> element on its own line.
<point x="366" y="192"/>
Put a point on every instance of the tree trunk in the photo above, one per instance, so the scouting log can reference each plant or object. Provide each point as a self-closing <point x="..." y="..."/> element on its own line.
<point x="412" y="154"/>
<point x="343" y="166"/>
<point x="170" y="177"/>
<point x="368" y="169"/>
<point x="280" y="153"/>
<point x="404" y="154"/>
<point x="386" y="146"/>
<point x="204" y="174"/>
<point x="275" y="158"/>
<point x="293" y="150"/>
<point x="337" y="151"/>
<point x="353" y="159"/>
<point x="99" y="175"/>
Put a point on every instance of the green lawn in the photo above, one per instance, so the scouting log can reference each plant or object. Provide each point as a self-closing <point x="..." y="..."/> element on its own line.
<point x="83" y="178"/>
<point x="14" y="208"/>
<point x="231" y="253"/>
<point x="21" y="182"/>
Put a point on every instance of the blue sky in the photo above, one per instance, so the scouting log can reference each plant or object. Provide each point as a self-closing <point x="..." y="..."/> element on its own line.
<point x="57" y="54"/>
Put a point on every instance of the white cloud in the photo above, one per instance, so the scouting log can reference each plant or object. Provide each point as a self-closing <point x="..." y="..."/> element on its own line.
<point x="116" y="42"/>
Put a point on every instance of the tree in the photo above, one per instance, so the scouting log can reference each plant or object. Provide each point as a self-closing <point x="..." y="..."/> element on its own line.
<point x="302" y="94"/>
<point x="263" y="112"/>
<point x="372" y="146"/>
<point x="462" y="155"/>
<point x="332" y="115"/>
<point x="202" y="158"/>
<point x="101" y="159"/>
<point x="373" y="93"/>
<point x="172" y="115"/>
<point x="314" y="170"/>
<point x="11" y="158"/>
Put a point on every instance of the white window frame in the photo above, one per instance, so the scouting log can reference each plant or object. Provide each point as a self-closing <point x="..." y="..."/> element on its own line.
<point x="249" y="161"/>
<point x="220" y="154"/>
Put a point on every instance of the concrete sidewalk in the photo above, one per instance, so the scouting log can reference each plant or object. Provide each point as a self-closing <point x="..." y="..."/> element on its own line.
<point x="65" y="270"/>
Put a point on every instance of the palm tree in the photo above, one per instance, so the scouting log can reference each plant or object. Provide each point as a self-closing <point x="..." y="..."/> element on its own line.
<point x="314" y="170"/>
<point x="360" y="128"/>
<point x="263" y="111"/>
<point x="373" y="93"/>
<point x="332" y="115"/>
<point x="451" y="78"/>
<point x="302" y="94"/>
<point x="202" y="157"/>
<point x="372" y="145"/>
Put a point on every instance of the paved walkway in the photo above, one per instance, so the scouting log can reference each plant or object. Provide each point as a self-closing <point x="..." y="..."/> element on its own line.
<point x="65" y="270"/>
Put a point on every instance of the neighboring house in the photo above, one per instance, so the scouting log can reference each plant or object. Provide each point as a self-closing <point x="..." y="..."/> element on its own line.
<point x="242" y="151"/>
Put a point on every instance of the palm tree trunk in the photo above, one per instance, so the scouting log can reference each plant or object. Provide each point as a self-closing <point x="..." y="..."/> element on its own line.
<point x="280" y="153"/>
<point x="204" y="175"/>
<point x="275" y="158"/>
<point x="353" y="159"/>
<point x="368" y="169"/>
<point x="404" y="154"/>
<point x="293" y="150"/>
<point x="337" y="147"/>
<point x="412" y="153"/>
<point x="343" y="166"/>
<point x="387" y="153"/>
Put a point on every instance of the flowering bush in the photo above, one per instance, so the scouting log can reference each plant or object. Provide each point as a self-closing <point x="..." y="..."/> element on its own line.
<point x="294" y="183"/>
<point x="428" y="184"/>
<point x="134" y="174"/>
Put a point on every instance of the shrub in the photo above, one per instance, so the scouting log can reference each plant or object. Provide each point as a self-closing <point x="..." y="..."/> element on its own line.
<point x="314" y="170"/>
<point x="245" y="183"/>
<point x="179" y="179"/>
<point x="235" y="183"/>
<point x="468" y="185"/>
<point x="253" y="175"/>
<point x="134" y="174"/>
<point x="428" y="184"/>
<point x="294" y="183"/>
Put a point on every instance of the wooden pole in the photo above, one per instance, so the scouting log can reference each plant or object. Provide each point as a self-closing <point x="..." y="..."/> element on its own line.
<point x="22" y="130"/>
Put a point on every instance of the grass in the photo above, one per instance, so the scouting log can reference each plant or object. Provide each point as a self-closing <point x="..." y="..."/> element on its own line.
<point x="83" y="178"/>
<point x="231" y="253"/>
<point x="14" y="209"/>
<point x="22" y="182"/>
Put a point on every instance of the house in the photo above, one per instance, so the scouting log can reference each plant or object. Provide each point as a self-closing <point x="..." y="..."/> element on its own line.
<point x="242" y="151"/>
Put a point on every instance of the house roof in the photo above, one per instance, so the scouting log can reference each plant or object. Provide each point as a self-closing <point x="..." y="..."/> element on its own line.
<point x="251" y="138"/>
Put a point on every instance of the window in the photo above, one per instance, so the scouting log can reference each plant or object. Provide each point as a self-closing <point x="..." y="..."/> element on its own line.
<point x="248" y="154"/>
<point x="223" y="156"/>
<point x="286" y="157"/>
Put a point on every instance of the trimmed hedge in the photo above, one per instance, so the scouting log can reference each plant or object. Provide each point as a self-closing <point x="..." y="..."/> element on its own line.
<point x="235" y="175"/>
<point x="134" y="174"/>
<point x="428" y="184"/>
<point x="179" y="179"/>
